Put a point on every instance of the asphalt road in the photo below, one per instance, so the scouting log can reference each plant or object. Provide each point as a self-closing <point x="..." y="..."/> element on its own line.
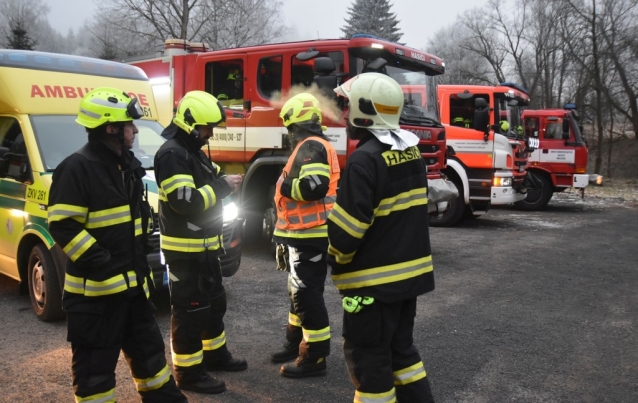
<point x="528" y="307"/>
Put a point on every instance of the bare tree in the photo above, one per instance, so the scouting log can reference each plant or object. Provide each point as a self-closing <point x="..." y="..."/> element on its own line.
<point x="129" y="27"/>
<point x="20" y="22"/>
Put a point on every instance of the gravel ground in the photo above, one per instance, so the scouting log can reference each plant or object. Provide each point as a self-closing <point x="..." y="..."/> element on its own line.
<point x="528" y="307"/>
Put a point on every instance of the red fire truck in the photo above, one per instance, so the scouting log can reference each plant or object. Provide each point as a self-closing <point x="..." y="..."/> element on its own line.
<point x="560" y="162"/>
<point x="253" y="83"/>
<point x="487" y="149"/>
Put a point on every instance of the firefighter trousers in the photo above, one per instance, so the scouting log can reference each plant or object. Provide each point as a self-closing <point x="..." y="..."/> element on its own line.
<point x="308" y="317"/>
<point x="99" y="331"/>
<point x="380" y="355"/>
<point x="198" y="306"/>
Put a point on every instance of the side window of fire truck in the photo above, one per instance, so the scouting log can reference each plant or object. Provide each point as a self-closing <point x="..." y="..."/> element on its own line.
<point x="532" y="127"/>
<point x="314" y="71"/>
<point x="225" y="81"/>
<point x="269" y="76"/>
<point x="554" y="130"/>
<point x="462" y="110"/>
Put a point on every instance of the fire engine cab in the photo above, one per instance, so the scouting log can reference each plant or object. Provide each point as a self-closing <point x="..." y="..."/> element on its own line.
<point x="487" y="149"/>
<point x="560" y="162"/>
<point x="253" y="83"/>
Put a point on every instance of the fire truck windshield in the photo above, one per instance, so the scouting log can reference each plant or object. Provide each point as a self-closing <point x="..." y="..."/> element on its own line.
<point x="59" y="136"/>
<point x="509" y="111"/>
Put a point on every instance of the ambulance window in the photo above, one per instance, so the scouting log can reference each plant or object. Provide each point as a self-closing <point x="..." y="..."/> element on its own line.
<point x="11" y="137"/>
<point x="225" y="80"/>
<point x="269" y="76"/>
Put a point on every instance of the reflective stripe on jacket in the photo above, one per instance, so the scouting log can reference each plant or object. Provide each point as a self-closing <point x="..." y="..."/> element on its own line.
<point x="296" y="217"/>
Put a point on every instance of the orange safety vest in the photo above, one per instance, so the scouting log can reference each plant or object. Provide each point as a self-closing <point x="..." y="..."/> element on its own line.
<point x="306" y="219"/>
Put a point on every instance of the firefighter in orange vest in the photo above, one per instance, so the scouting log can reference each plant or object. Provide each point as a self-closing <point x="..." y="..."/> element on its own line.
<point x="305" y="193"/>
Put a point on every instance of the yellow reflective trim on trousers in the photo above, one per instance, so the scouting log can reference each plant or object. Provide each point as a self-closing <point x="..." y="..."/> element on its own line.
<point x="340" y="257"/>
<point x="294" y="319"/>
<point x="147" y="292"/>
<point x="155" y="382"/>
<point x="384" y="274"/>
<point x="295" y="190"/>
<point x="410" y="374"/>
<point x="348" y="223"/>
<point x="79" y="245"/>
<point x="187" y="360"/>
<point x="384" y="397"/>
<point x="59" y="212"/>
<point x="108" y="217"/>
<point x="105" y="397"/>
<point x="190" y="245"/>
<point x="320" y="231"/>
<point x="314" y="169"/>
<point x="208" y="194"/>
<point x="138" y="226"/>
<point x="214" y="344"/>
<point x="402" y="201"/>
<point x="176" y="181"/>
<point x="314" y="336"/>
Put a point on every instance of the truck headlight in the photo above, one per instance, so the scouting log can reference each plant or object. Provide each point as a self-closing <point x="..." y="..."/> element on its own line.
<point x="502" y="182"/>
<point x="231" y="211"/>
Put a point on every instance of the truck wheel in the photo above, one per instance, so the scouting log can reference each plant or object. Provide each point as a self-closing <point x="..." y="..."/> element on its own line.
<point x="270" y="218"/>
<point x="44" y="287"/>
<point x="538" y="198"/>
<point x="455" y="211"/>
<point x="254" y="227"/>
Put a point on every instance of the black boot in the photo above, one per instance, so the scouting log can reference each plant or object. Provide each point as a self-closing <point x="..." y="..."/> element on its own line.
<point x="200" y="383"/>
<point x="230" y="365"/>
<point x="289" y="352"/>
<point x="304" y="368"/>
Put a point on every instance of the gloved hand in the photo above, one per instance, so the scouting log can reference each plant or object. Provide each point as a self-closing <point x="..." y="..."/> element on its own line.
<point x="283" y="262"/>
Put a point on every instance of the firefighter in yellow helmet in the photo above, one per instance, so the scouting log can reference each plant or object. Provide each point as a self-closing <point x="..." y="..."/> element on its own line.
<point x="98" y="216"/>
<point x="191" y="189"/>
<point x="380" y="245"/>
<point x="304" y="195"/>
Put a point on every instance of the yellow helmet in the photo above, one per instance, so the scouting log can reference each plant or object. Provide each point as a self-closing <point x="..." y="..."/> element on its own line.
<point x="199" y="108"/>
<point x="107" y="105"/>
<point x="302" y="109"/>
<point x="505" y="125"/>
<point x="376" y="101"/>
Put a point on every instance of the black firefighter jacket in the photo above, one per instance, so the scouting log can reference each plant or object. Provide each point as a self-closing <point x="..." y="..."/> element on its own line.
<point x="378" y="228"/>
<point x="191" y="190"/>
<point x="99" y="216"/>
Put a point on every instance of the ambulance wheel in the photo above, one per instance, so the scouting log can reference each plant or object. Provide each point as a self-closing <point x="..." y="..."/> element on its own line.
<point x="44" y="287"/>
<point x="455" y="211"/>
<point x="537" y="198"/>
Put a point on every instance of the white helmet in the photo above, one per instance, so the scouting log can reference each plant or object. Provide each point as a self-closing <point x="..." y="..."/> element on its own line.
<point x="376" y="101"/>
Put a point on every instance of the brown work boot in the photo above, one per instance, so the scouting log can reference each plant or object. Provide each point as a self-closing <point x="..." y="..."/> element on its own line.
<point x="304" y="368"/>
<point x="289" y="352"/>
<point x="200" y="383"/>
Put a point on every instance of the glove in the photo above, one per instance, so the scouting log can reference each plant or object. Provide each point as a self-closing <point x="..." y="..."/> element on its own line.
<point x="355" y="304"/>
<point x="283" y="263"/>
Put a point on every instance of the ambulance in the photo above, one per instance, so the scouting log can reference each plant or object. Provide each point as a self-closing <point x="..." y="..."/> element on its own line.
<point x="40" y="95"/>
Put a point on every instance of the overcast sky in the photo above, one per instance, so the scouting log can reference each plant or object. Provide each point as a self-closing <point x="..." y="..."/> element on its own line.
<point x="419" y="19"/>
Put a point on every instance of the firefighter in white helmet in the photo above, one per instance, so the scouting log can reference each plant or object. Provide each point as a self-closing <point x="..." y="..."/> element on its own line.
<point x="380" y="246"/>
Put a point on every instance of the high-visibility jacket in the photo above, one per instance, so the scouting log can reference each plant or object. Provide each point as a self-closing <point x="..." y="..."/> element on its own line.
<point x="306" y="192"/>
<point x="97" y="214"/>
<point x="191" y="189"/>
<point x="378" y="228"/>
